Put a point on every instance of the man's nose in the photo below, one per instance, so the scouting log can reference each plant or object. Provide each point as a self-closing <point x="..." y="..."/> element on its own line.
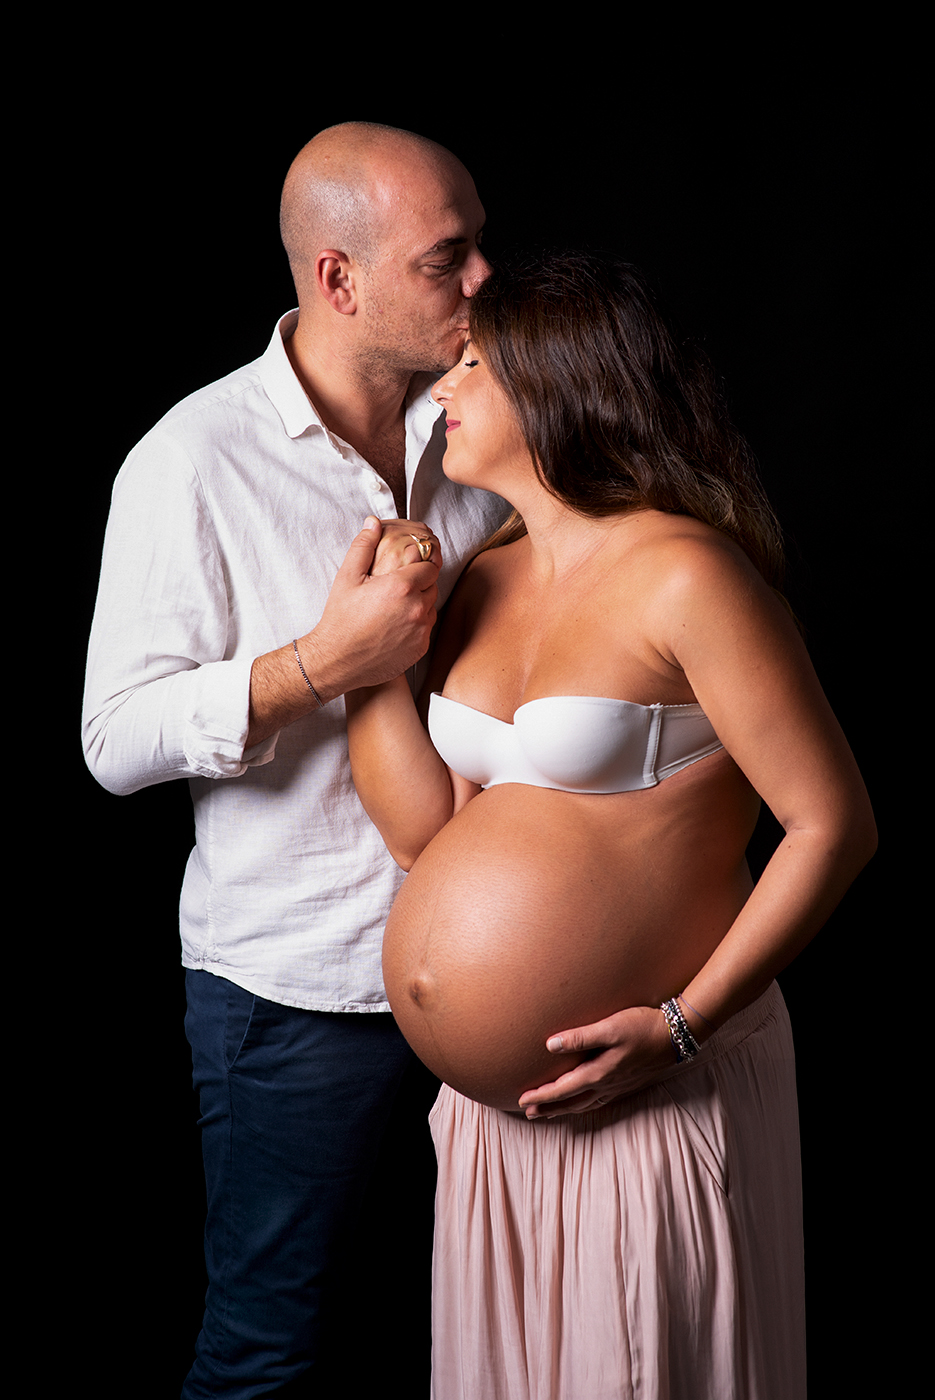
<point x="477" y="269"/>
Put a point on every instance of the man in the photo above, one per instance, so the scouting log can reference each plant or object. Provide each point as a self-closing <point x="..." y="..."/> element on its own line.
<point x="220" y="652"/>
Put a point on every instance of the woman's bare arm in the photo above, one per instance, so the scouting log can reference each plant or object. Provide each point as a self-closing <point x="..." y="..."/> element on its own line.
<point x="400" y="779"/>
<point x="405" y="788"/>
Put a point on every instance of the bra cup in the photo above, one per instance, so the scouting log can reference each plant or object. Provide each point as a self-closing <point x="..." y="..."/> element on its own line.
<point x="575" y="743"/>
<point x="580" y="742"/>
<point x="473" y="744"/>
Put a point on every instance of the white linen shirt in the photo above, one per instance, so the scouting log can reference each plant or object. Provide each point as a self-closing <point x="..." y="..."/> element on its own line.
<point x="229" y="522"/>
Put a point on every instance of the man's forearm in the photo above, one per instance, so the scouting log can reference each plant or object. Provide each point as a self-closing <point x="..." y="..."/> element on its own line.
<point x="282" y="690"/>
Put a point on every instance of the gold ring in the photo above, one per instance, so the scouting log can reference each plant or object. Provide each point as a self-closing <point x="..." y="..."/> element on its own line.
<point x="425" y="546"/>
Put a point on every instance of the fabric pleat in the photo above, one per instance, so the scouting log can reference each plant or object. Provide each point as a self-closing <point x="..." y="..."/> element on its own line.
<point x="651" y="1250"/>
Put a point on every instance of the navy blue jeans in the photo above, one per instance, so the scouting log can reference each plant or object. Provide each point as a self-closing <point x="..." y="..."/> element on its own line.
<point x="293" y="1107"/>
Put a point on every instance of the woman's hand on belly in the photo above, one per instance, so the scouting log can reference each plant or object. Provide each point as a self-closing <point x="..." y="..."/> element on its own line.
<point x="629" y="1050"/>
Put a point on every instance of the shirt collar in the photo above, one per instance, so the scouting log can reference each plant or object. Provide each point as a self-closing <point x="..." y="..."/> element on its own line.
<point x="297" y="411"/>
<point x="422" y="412"/>
<point x="286" y="394"/>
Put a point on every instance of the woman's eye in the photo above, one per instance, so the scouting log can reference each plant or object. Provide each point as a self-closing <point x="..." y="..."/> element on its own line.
<point x="469" y="364"/>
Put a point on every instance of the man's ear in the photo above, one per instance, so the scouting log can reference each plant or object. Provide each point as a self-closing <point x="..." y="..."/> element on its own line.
<point x="335" y="276"/>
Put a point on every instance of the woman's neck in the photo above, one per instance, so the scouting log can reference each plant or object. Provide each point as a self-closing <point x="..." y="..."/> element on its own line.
<point x="562" y="541"/>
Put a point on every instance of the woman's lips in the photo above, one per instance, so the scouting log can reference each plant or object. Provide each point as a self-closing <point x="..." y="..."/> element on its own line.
<point x="452" y="424"/>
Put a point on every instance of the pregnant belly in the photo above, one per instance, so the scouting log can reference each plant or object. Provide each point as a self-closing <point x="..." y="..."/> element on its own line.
<point x="520" y="920"/>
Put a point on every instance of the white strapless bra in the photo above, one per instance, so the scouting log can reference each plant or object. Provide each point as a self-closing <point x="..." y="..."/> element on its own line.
<point x="574" y="743"/>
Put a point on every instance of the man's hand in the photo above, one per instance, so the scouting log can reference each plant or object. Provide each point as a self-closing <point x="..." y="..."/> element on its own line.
<point x="374" y="627"/>
<point x="376" y="624"/>
<point x="629" y="1050"/>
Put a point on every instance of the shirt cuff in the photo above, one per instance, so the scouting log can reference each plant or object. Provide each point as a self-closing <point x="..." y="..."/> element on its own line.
<point x="217" y="721"/>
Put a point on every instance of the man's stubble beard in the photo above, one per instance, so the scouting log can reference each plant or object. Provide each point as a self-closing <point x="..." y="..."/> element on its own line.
<point x="396" y="360"/>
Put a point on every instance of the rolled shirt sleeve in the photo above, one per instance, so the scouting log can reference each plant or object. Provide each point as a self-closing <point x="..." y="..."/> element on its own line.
<point x="164" y="698"/>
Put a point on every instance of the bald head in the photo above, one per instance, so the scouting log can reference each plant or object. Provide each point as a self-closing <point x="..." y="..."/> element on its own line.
<point x="340" y="187"/>
<point x="383" y="232"/>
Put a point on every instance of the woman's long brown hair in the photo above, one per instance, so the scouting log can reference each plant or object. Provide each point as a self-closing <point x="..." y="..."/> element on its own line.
<point x="617" y="414"/>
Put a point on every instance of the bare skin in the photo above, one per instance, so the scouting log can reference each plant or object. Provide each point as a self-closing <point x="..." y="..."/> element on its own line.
<point x="531" y="910"/>
<point x="382" y="231"/>
<point x="582" y="907"/>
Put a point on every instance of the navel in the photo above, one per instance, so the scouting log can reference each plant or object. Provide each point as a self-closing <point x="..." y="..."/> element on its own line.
<point x="422" y="990"/>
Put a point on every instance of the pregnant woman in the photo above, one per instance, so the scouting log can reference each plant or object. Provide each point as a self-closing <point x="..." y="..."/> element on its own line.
<point x="579" y="951"/>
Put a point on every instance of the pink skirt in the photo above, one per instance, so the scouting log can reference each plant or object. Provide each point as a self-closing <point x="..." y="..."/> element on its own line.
<point x="651" y="1249"/>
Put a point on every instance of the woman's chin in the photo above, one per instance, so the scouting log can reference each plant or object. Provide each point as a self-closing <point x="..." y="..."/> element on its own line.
<point x="464" y="474"/>
<point x="450" y="467"/>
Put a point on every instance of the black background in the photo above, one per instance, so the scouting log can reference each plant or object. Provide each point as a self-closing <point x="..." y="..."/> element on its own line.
<point x="768" y="195"/>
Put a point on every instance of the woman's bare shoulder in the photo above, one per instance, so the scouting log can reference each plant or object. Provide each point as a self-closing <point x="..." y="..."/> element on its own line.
<point x="681" y="579"/>
<point x="677" y="554"/>
<point x="665" y="535"/>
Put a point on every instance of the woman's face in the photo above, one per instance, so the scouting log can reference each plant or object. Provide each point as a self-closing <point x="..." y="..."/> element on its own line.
<point x="484" y="444"/>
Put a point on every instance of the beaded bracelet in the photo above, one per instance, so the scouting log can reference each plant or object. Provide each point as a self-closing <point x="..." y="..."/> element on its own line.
<point x="686" y="1046"/>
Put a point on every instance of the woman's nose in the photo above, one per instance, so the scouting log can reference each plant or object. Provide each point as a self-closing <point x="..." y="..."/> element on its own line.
<point x="442" y="389"/>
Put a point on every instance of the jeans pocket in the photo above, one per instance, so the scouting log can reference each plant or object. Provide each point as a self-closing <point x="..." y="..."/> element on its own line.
<point x="241" y="1005"/>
